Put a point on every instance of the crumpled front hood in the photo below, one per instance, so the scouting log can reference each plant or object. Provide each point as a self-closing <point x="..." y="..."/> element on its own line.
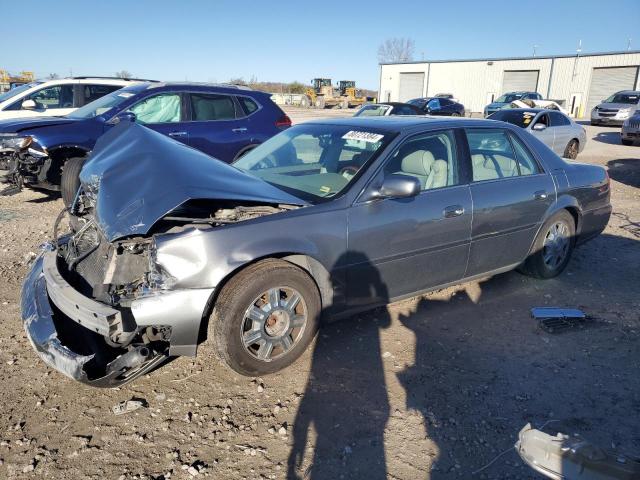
<point x="141" y="175"/>
<point x="16" y="125"/>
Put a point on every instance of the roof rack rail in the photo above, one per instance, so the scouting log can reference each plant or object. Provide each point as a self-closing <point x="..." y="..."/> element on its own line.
<point x="84" y="77"/>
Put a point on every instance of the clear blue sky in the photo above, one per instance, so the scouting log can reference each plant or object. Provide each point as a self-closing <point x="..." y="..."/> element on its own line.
<point x="284" y="41"/>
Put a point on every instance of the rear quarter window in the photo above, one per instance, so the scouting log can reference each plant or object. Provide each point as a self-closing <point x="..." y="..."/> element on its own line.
<point x="248" y="105"/>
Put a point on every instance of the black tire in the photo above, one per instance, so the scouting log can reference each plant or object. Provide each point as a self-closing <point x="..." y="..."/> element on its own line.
<point x="70" y="181"/>
<point x="305" y="101"/>
<point x="537" y="264"/>
<point x="594" y="124"/>
<point x="627" y="142"/>
<point x="229" y="325"/>
<point x="455" y="114"/>
<point x="571" y="150"/>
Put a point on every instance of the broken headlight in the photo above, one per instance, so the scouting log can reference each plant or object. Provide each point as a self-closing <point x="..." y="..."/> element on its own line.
<point x="17" y="143"/>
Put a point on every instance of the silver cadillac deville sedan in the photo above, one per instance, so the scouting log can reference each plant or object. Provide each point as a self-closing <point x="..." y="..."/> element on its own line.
<point x="169" y="248"/>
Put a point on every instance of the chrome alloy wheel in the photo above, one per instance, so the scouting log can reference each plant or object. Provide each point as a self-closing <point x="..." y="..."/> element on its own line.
<point x="274" y="323"/>
<point x="556" y="245"/>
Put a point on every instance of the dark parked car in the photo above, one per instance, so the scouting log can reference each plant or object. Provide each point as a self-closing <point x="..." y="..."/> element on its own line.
<point x="386" y="109"/>
<point x="325" y="219"/>
<point x="438" y="106"/>
<point x="222" y="121"/>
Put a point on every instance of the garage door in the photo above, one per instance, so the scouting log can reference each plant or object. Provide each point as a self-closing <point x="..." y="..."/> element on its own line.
<point x="411" y="86"/>
<point x="520" y="80"/>
<point x="607" y="81"/>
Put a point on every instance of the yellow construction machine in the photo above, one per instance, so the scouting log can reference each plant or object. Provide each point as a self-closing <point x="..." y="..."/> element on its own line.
<point x="322" y="94"/>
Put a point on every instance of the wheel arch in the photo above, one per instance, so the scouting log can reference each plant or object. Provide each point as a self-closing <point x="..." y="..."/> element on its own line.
<point x="564" y="202"/>
<point x="61" y="153"/>
<point x="313" y="267"/>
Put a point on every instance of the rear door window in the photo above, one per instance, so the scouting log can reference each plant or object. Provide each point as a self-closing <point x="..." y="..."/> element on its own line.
<point x="94" y="92"/>
<point x="526" y="163"/>
<point x="558" y="119"/>
<point x="207" y="107"/>
<point x="492" y="154"/>
<point x="162" y="108"/>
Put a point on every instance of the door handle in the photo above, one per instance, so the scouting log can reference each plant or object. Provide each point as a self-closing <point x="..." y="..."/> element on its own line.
<point x="239" y="130"/>
<point x="540" y="195"/>
<point x="453" y="211"/>
<point x="177" y="134"/>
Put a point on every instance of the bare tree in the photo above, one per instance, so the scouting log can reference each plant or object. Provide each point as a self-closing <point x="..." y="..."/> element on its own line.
<point x="396" y="50"/>
<point x="123" y="74"/>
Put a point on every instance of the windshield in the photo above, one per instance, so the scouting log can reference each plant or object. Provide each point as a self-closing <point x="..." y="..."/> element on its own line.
<point x="102" y="105"/>
<point x="628" y="98"/>
<point x="515" y="117"/>
<point x="372" y="111"/>
<point x="15" y="91"/>
<point x="509" y="97"/>
<point x="315" y="162"/>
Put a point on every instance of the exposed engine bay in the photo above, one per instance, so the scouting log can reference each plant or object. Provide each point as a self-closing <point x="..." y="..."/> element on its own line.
<point x="124" y="271"/>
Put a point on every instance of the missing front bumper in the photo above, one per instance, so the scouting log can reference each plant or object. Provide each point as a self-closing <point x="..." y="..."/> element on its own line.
<point x="94" y="363"/>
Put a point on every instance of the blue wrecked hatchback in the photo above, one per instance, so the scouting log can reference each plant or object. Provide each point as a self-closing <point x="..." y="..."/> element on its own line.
<point x="224" y="121"/>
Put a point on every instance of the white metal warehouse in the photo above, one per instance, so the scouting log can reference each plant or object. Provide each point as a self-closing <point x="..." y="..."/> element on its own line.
<point x="578" y="82"/>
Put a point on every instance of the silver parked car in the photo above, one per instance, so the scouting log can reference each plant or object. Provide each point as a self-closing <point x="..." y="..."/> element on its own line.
<point x="556" y="130"/>
<point x="616" y="109"/>
<point x="631" y="129"/>
<point x="169" y="247"/>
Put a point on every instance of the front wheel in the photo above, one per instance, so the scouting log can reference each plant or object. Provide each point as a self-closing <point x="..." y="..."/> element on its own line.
<point x="552" y="247"/>
<point x="571" y="151"/>
<point x="627" y="142"/>
<point x="455" y="114"/>
<point x="70" y="182"/>
<point x="265" y="317"/>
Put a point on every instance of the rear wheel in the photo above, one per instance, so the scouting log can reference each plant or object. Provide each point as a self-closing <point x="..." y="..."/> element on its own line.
<point x="70" y="181"/>
<point x="571" y="151"/>
<point x="627" y="142"/>
<point x="320" y="101"/>
<point x="594" y="123"/>
<point x="552" y="248"/>
<point x="265" y="317"/>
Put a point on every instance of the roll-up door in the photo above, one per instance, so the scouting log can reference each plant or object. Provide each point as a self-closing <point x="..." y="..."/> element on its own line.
<point x="520" y="81"/>
<point x="607" y="81"/>
<point x="411" y="86"/>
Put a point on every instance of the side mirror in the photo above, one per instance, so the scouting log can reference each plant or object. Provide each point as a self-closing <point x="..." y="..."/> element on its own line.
<point x="398" y="185"/>
<point x="125" y="116"/>
<point x="538" y="127"/>
<point x="29" y="105"/>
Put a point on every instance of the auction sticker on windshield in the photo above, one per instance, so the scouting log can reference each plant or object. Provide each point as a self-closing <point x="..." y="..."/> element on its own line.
<point x="368" y="137"/>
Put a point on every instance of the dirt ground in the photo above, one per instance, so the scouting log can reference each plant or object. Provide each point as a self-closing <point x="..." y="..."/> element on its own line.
<point x="433" y="387"/>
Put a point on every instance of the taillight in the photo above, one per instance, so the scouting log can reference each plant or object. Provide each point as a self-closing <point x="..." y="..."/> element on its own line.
<point x="283" y="122"/>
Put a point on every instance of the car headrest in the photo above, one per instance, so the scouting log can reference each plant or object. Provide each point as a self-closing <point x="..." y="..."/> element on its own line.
<point x="418" y="162"/>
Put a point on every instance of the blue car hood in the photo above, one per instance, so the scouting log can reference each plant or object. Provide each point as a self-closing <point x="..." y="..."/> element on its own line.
<point x="138" y="176"/>
<point x="496" y="105"/>
<point x="16" y="125"/>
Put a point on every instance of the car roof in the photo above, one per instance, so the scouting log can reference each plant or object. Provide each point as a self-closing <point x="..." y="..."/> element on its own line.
<point x="391" y="104"/>
<point x="629" y="92"/>
<point x="404" y="122"/>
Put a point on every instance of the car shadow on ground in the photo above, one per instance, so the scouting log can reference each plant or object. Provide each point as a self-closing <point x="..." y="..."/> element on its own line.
<point x="625" y="170"/>
<point x="482" y="369"/>
<point x="611" y="138"/>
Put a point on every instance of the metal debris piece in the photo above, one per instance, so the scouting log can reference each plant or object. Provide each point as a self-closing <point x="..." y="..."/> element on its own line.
<point x="128" y="406"/>
<point x="572" y="458"/>
<point x="554" y="319"/>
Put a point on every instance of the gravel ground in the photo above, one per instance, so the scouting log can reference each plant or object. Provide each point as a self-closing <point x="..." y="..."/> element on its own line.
<point x="432" y="387"/>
